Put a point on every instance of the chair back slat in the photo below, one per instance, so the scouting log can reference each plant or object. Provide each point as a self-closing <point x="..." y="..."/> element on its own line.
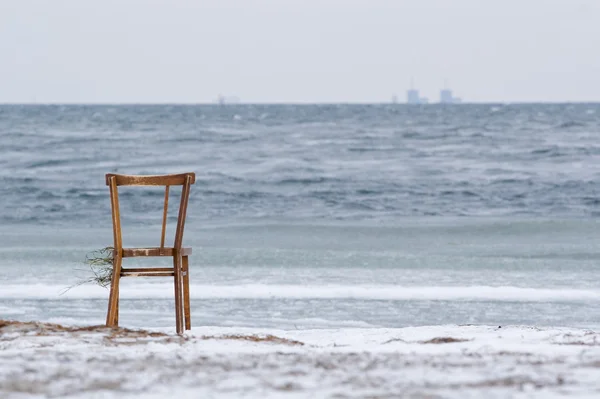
<point x="164" y="221"/>
<point x="160" y="180"/>
<point x="116" y="215"/>
<point x="185" y="195"/>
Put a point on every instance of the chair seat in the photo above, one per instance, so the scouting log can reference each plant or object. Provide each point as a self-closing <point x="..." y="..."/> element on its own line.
<point x="154" y="251"/>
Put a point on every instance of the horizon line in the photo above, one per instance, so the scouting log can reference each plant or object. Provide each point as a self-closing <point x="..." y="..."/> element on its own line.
<point x="308" y="103"/>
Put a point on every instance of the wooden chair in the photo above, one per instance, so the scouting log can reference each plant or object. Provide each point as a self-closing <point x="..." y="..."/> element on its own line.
<point x="180" y="269"/>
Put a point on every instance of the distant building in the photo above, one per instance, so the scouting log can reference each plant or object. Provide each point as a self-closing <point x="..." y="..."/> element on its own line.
<point x="447" y="98"/>
<point x="412" y="96"/>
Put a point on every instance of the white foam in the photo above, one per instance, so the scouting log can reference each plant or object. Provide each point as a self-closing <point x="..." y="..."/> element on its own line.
<point x="267" y="291"/>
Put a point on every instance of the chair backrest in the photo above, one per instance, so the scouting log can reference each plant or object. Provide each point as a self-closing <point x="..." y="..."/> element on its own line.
<point x="183" y="179"/>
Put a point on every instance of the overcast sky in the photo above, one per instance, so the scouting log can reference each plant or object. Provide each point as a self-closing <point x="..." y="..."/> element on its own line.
<point x="298" y="50"/>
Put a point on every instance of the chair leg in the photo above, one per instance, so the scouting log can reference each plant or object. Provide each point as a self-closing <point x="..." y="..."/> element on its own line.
<point x="186" y="293"/>
<point x="178" y="294"/>
<point x="117" y="311"/>
<point x="112" y="316"/>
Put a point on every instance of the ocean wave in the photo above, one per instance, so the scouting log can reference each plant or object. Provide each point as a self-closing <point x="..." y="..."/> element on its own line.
<point x="306" y="180"/>
<point x="570" y="124"/>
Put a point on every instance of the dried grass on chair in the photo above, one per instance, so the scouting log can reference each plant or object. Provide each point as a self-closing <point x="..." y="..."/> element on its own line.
<point x="100" y="263"/>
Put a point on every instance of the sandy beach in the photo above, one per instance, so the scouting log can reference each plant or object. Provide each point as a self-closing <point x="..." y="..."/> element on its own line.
<point x="46" y="360"/>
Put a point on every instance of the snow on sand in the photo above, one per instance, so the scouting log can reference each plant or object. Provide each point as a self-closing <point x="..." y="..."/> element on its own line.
<point x="46" y="360"/>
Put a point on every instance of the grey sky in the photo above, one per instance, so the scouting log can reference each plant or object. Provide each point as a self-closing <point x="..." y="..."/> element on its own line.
<point x="298" y="50"/>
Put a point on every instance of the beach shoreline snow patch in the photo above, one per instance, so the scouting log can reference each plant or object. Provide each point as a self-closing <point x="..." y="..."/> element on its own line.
<point x="51" y="360"/>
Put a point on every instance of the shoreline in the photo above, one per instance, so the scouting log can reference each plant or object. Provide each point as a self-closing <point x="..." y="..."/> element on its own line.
<point x="418" y="362"/>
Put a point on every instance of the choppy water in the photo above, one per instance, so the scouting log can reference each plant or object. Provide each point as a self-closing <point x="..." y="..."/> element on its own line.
<point x="310" y="216"/>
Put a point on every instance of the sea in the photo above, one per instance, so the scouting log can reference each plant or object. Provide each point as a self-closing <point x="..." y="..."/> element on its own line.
<point x="310" y="216"/>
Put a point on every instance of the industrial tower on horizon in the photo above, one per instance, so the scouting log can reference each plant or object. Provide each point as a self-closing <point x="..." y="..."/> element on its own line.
<point x="412" y="95"/>
<point x="446" y="96"/>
